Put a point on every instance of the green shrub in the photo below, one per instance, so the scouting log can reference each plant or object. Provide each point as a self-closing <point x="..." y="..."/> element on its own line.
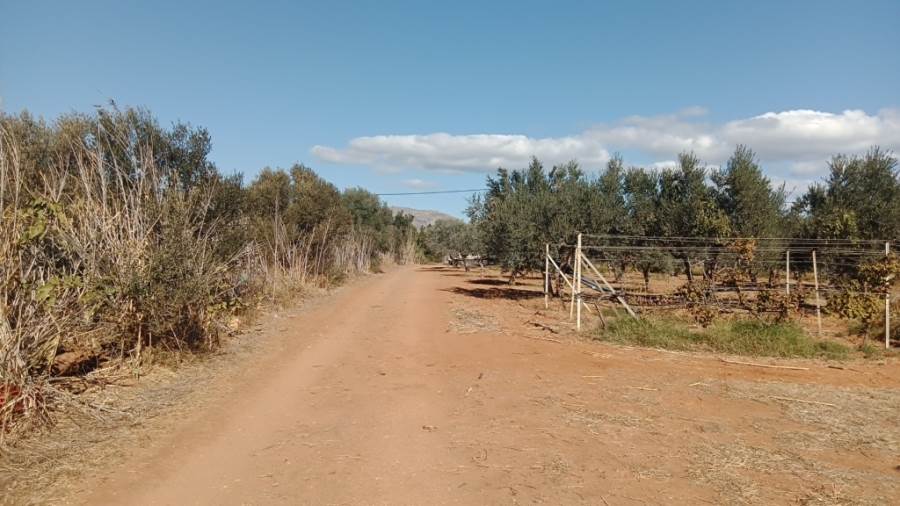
<point x="780" y="339"/>
<point x="117" y="234"/>
<point x="654" y="333"/>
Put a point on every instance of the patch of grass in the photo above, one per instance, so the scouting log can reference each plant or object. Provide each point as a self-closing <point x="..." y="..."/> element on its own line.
<point x="650" y="332"/>
<point x="872" y="350"/>
<point x="746" y="337"/>
<point x="754" y="337"/>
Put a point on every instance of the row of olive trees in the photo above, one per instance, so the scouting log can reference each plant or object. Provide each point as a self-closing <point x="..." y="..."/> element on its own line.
<point x="448" y="239"/>
<point x="525" y="209"/>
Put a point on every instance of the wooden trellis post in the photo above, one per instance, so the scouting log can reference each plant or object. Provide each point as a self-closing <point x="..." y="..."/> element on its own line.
<point x="787" y="272"/>
<point x="609" y="287"/>
<point x="547" y="276"/>
<point x="572" y="302"/>
<point x="818" y="305"/>
<point x="887" y="305"/>
<point x="578" y="284"/>
<point x="561" y="273"/>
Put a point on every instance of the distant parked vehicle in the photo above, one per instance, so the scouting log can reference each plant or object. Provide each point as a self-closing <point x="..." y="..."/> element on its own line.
<point x="466" y="260"/>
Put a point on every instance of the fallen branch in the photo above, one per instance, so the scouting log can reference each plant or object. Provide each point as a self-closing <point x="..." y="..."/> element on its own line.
<point x="791" y="399"/>
<point x="753" y="364"/>
<point x="843" y="368"/>
<point x="544" y="327"/>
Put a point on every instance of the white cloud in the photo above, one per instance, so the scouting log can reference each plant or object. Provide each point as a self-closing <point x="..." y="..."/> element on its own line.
<point x="794" y="145"/>
<point x="468" y="153"/>
<point x="418" y="184"/>
<point x="807" y="135"/>
<point x="661" y="136"/>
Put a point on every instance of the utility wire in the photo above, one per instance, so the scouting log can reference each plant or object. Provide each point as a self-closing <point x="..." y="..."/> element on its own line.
<point x="433" y="192"/>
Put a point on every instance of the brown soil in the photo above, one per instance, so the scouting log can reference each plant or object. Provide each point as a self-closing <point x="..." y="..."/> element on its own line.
<point x="428" y="385"/>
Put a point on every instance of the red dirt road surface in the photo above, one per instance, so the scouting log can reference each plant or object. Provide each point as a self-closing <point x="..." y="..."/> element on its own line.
<point x="428" y="385"/>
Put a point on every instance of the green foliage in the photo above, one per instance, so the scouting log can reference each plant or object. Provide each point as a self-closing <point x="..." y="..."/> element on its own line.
<point x="854" y="302"/>
<point x="752" y="338"/>
<point x="753" y="207"/>
<point x="652" y="333"/>
<point x="780" y="339"/>
<point x="373" y="219"/>
<point x="523" y="210"/>
<point x="688" y="204"/>
<point x="449" y="238"/>
<point x="778" y="303"/>
<point x="860" y="199"/>
<point x="862" y="299"/>
<point x="881" y="274"/>
<point x="116" y="233"/>
<point x="699" y="298"/>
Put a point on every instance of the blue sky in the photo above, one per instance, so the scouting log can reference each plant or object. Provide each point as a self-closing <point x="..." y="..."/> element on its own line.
<point x="398" y="96"/>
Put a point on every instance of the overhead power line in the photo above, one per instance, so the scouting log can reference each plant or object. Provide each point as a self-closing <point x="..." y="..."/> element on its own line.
<point x="432" y="192"/>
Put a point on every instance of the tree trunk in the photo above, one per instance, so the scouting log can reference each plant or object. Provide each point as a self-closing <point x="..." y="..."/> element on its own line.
<point x="620" y="273"/>
<point x="687" y="269"/>
<point x="709" y="269"/>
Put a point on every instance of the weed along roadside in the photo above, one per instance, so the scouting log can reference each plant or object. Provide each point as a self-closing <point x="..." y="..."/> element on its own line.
<point x="749" y="338"/>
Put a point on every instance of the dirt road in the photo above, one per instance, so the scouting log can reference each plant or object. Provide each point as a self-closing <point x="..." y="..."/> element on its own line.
<point x="428" y="385"/>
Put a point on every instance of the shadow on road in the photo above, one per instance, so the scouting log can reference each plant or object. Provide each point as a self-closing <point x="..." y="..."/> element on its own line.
<point x="434" y="268"/>
<point x="489" y="282"/>
<point x="496" y="293"/>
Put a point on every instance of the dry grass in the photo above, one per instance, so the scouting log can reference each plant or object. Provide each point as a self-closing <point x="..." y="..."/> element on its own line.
<point x="805" y="464"/>
<point x="113" y="416"/>
<point x="838" y="418"/>
<point x="98" y="261"/>
<point x="822" y="445"/>
<point x="470" y="321"/>
<point x="747" y="474"/>
<point x="106" y="258"/>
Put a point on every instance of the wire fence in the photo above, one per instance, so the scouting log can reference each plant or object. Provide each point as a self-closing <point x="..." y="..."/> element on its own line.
<point x="734" y="274"/>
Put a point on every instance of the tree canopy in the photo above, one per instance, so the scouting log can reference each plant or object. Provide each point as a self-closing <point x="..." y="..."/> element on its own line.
<point x="524" y="209"/>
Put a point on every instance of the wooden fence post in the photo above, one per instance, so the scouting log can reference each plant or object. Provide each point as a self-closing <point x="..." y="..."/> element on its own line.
<point x="574" y="275"/>
<point x="887" y="305"/>
<point x="818" y="305"/>
<point x="547" y="276"/>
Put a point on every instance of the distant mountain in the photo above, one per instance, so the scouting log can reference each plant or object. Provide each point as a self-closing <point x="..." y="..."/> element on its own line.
<point x="423" y="218"/>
